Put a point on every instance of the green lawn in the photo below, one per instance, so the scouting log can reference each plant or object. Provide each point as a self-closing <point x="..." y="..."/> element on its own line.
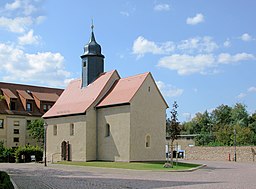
<point x="156" y="166"/>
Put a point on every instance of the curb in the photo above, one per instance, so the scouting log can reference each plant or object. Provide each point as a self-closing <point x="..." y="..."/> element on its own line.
<point x="14" y="184"/>
<point x="189" y="170"/>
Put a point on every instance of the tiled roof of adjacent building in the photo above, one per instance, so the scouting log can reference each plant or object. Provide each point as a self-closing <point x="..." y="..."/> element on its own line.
<point x="20" y="94"/>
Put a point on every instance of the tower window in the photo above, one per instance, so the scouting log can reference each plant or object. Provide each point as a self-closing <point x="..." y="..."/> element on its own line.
<point x="84" y="64"/>
<point x="107" y="130"/>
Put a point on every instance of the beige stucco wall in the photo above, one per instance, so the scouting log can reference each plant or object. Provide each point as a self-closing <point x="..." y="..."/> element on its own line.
<point x="7" y="133"/>
<point x="116" y="146"/>
<point x="3" y="131"/>
<point x="147" y="119"/>
<point x="77" y="141"/>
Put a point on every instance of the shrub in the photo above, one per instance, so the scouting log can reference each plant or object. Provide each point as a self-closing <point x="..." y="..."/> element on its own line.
<point x="5" y="181"/>
<point x="23" y="153"/>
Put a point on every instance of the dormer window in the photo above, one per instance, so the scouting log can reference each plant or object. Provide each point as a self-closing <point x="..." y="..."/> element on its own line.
<point x="45" y="107"/>
<point x="12" y="105"/>
<point x="29" y="106"/>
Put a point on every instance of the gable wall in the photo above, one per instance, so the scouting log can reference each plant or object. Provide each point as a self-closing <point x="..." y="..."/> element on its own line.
<point x="116" y="146"/>
<point x="77" y="141"/>
<point x="148" y="111"/>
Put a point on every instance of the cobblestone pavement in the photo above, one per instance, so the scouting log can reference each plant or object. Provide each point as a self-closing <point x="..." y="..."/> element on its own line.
<point x="214" y="175"/>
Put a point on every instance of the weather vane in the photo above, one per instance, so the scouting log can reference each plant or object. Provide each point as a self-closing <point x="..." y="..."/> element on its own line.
<point x="92" y="25"/>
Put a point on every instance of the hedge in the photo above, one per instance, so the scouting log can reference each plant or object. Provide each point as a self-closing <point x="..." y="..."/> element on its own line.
<point x="5" y="182"/>
<point x="23" y="153"/>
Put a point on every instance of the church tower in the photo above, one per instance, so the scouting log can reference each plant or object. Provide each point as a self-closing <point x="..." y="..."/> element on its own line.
<point x="92" y="61"/>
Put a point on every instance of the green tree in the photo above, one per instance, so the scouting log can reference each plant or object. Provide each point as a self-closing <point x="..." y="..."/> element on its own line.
<point x="36" y="130"/>
<point x="172" y="127"/>
<point x="1" y="97"/>
<point x="239" y="115"/>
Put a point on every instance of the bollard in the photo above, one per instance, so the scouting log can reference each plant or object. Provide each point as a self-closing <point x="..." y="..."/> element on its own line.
<point x="228" y="156"/>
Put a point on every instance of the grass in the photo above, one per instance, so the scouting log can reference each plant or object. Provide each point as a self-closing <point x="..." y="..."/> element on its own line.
<point x="154" y="166"/>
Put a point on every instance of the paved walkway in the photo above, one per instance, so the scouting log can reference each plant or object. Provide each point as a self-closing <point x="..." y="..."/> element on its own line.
<point x="215" y="175"/>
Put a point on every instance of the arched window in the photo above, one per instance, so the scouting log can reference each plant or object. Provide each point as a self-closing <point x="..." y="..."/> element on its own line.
<point x="147" y="141"/>
<point x="54" y="129"/>
<point x="107" y="130"/>
<point x="72" y="129"/>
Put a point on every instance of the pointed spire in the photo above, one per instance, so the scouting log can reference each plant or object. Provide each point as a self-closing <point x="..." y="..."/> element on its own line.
<point x="92" y="39"/>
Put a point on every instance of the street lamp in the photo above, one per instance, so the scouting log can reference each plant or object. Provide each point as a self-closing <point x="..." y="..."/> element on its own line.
<point x="235" y="144"/>
<point x="45" y="128"/>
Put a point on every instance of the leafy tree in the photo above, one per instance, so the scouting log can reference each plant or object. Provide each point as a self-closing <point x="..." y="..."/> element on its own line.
<point x="172" y="127"/>
<point x="1" y="97"/>
<point x="239" y="115"/>
<point x="36" y="130"/>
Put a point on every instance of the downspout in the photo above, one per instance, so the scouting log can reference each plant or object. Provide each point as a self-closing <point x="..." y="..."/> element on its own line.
<point x="97" y="135"/>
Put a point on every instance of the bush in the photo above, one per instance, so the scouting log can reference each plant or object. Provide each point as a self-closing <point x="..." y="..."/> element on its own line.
<point x="5" y="181"/>
<point x="23" y="153"/>
<point x="6" y="154"/>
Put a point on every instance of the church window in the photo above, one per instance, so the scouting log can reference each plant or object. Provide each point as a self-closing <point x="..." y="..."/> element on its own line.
<point x="147" y="144"/>
<point x="149" y="89"/>
<point x="84" y="63"/>
<point x="72" y="129"/>
<point x="55" y="130"/>
<point x="107" y="130"/>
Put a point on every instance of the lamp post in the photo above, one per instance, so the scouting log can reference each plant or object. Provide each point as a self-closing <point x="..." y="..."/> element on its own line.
<point x="45" y="128"/>
<point x="235" y="144"/>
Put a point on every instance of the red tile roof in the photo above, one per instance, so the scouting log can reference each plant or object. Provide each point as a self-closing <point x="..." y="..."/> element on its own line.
<point x="124" y="90"/>
<point x="8" y="93"/>
<point x="76" y="100"/>
<point x="49" y="97"/>
<point x="19" y="92"/>
<point x="25" y="95"/>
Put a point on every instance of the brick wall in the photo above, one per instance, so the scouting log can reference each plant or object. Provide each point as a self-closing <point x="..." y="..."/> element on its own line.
<point x="243" y="153"/>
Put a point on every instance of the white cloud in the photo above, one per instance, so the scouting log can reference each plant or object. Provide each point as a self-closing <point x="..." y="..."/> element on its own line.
<point x="12" y="6"/>
<point x="252" y="89"/>
<point x="246" y="37"/>
<point x="227" y="58"/>
<point x="162" y="7"/>
<point x="241" y="95"/>
<point x="29" y="38"/>
<point x="185" y="64"/>
<point x="196" y="19"/>
<point x="45" y="68"/>
<point x="142" y="46"/>
<point x="124" y="13"/>
<point x="198" y="44"/>
<point x="16" y="25"/>
<point x="227" y="43"/>
<point x="169" y="90"/>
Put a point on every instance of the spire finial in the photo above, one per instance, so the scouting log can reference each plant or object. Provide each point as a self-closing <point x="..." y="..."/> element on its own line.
<point x="92" y="26"/>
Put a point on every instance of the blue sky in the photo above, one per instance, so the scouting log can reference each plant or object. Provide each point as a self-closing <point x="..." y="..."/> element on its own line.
<point x="201" y="53"/>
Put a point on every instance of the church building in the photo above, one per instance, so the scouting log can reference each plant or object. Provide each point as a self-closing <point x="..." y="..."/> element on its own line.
<point x="105" y="117"/>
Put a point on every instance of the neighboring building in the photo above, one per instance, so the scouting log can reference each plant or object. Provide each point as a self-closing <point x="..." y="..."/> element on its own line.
<point x="105" y="117"/>
<point x="21" y="104"/>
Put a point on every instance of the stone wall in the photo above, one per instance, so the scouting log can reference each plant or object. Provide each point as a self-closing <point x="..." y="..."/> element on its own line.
<point x="243" y="153"/>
